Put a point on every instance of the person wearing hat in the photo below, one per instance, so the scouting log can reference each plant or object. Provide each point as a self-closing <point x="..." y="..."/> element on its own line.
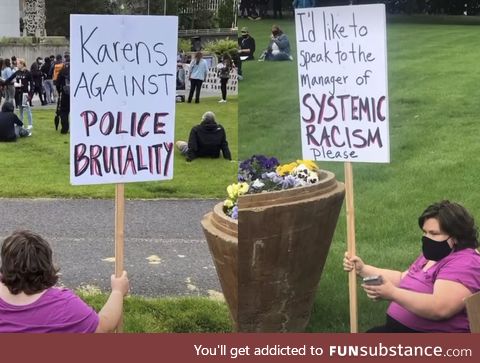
<point x="246" y="44"/>
<point x="206" y="140"/>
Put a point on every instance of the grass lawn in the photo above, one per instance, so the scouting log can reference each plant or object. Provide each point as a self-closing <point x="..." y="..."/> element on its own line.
<point x="38" y="166"/>
<point x="169" y="315"/>
<point x="434" y="95"/>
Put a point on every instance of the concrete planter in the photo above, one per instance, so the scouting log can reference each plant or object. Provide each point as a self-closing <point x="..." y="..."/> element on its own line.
<point x="278" y="255"/>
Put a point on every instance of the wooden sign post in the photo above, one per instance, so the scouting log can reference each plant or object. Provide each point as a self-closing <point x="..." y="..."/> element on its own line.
<point x="119" y="236"/>
<point x="352" y="277"/>
<point x="342" y="81"/>
<point x="122" y="92"/>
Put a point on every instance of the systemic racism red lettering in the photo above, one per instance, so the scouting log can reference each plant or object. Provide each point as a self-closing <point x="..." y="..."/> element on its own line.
<point x="339" y="136"/>
<point x="326" y="108"/>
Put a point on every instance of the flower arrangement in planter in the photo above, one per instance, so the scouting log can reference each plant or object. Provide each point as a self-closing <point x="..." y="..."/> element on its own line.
<point x="263" y="174"/>
<point x="269" y="241"/>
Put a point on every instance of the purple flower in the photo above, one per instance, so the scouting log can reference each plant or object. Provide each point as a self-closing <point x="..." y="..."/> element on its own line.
<point x="235" y="212"/>
<point x="273" y="177"/>
<point x="289" y="181"/>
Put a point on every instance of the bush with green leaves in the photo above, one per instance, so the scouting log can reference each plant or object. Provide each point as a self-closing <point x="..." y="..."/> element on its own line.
<point x="225" y="14"/>
<point x="184" y="45"/>
<point x="222" y="46"/>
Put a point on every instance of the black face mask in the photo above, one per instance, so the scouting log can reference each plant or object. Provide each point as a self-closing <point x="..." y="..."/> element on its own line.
<point x="435" y="250"/>
<point x="275" y="33"/>
<point x="244" y="35"/>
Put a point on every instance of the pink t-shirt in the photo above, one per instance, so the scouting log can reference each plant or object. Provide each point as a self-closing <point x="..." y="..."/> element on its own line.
<point x="462" y="267"/>
<point x="56" y="311"/>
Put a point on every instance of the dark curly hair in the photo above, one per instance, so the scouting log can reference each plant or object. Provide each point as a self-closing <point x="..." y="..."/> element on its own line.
<point x="454" y="220"/>
<point x="27" y="264"/>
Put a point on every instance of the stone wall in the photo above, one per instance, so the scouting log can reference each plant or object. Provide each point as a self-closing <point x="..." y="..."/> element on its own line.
<point x="29" y="49"/>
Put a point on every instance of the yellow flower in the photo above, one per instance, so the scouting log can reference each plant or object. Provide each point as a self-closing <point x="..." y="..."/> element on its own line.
<point x="228" y="203"/>
<point x="232" y="191"/>
<point x="310" y="164"/>
<point x="243" y="188"/>
<point x="236" y="189"/>
<point x="286" y="169"/>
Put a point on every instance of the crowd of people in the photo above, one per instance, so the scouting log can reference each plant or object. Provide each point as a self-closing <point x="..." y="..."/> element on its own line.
<point x="48" y="78"/>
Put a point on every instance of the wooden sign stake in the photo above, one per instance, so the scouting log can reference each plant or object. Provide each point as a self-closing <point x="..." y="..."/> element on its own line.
<point x="119" y="236"/>
<point x="352" y="277"/>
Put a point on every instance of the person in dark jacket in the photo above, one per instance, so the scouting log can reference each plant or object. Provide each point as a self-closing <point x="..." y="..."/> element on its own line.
<point x="206" y="140"/>
<point x="37" y="78"/>
<point x="10" y="125"/>
<point x="63" y="89"/>
<point x="24" y="91"/>
<point x="47" y="72"/>
<point x="246" y="43"/>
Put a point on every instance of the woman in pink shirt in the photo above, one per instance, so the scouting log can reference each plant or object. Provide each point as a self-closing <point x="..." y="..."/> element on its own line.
<point x="29" y="302"/>
<point x="429" y="296"/>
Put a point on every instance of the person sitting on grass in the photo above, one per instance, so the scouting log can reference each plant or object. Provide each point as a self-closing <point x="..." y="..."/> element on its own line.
<point x="10" y="125"/>
<point x="279" y="47"/>
<point x="206" y="140"/>
<point x="30" y="302"/>
<point x="429" y="296"/>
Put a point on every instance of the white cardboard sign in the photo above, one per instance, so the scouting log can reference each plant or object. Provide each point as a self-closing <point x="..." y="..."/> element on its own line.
<point x="342" y="77"/>
<point x="122" y="97"/>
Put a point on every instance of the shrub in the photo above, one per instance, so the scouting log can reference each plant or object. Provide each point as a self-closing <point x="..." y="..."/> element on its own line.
<point x="225" y="14"/>
<point x="222" y="46"/>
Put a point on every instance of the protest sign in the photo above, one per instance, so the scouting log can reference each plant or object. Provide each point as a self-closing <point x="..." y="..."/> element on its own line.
<point x="342" y="77"/>
<point x="122" y="94"/>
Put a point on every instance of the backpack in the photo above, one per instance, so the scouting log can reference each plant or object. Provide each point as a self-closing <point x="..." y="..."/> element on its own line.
<point x="56" y="70"/>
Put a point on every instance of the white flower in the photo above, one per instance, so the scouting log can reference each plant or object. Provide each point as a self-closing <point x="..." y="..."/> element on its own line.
<point x="257" y="184"/>
<point x="301" y="172"/>
<point x="312" y="177"/>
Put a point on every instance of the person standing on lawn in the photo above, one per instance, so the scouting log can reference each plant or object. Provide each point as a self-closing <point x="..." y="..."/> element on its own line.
<point x="198" y="75"/>
<point x="224" y="69"/>
<point x="24" y="91"/>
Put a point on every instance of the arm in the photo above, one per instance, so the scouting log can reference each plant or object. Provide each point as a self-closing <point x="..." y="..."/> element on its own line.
<point x="192" y="145"/>
<point x="112" y="310"/>
<point x="447" y="298"/>
<point x="363" y="270"/>
<point x="282" y="42"/>
<point x="17" y="121"/>
<point x="225" y="150"/>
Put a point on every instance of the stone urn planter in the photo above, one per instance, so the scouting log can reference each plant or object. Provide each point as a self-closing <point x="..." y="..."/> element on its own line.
<point x="270" y="267"/>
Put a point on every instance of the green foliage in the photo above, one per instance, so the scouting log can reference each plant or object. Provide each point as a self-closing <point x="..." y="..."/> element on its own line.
<point x="433" y="110"/>
<point x="199" y="19"/>
<point x="58" y="11"/>
<point x="184" y="45"/>
<point x="222" y="46"/>
<point x="169" y="315"/>
<point x="225" y="14"/>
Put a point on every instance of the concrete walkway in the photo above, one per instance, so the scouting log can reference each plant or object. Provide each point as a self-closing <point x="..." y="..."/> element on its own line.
<point x="165" y="250"/>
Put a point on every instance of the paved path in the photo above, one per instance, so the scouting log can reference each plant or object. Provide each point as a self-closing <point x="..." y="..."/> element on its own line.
<point x="165" y="250"/>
